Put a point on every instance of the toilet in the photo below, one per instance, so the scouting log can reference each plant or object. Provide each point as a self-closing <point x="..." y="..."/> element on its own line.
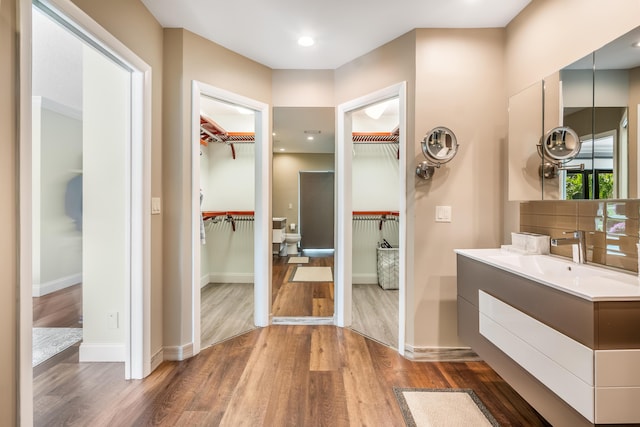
<point x="292" y="239"/>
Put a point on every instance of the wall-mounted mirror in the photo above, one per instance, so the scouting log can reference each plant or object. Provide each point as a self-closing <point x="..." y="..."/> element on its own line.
<point x="597" y="97"/>
<point x="439" y="146"/>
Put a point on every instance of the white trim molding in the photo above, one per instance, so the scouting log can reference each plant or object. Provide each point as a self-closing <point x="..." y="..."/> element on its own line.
<point x="344" y="236"/>
<point x="262" y="210"/>
<point x="40" y="289"/>
<point x="178" y="352"/>
<point x="105" y="352"/>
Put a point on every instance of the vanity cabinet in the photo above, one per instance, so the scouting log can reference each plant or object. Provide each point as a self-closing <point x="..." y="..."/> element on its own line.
<point x="577" y="361"/>
<point x="278" y="231"/>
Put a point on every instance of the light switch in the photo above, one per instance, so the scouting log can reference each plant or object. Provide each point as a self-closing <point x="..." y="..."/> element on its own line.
<point x="443" y="213"/>
<point x="155" y="205"/>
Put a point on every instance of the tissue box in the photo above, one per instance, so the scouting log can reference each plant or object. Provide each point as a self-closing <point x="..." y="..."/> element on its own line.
<point x="531" y="243"/>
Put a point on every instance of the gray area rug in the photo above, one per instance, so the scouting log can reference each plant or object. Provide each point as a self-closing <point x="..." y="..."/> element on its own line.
<point x="442" y="407"/>
<point x="47" y="342"/>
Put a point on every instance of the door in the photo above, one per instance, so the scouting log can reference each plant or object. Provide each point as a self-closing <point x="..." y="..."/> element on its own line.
<point x="316" y="209"/>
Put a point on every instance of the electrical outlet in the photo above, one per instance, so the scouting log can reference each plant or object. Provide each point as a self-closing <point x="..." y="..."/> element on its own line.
<point x="112" y="320"/>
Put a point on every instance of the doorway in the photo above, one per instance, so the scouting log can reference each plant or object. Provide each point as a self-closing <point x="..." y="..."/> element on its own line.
<point x="303" y="215"/>
<point x="254" y="222"/>
<point x="84" y="217"/>
<point x="227" y="187"/>
<point x="345" y="207"/>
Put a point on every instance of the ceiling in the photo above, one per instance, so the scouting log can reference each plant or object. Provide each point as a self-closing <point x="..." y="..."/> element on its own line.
<point x="267" y="31"/>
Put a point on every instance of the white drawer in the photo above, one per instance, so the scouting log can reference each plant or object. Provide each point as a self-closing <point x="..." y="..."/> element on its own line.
<point x="559" y="362"/>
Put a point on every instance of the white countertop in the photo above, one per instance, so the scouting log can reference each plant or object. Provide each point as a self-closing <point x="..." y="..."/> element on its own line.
<point x="586" y="281"/>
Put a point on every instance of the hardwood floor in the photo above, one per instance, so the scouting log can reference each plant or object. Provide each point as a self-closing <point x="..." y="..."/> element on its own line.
<point x="275" y="376"/>
<point x="375" y="313"/>
<point x="226" y="310"/>
<point x="60" y="309"/>
<point x="301" y="299"/>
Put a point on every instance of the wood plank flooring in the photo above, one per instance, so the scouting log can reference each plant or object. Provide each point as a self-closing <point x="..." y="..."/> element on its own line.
<point x="275" y="376"/>
<point x="301" y="299"/>
<point x="375" y="313"/>
<point x="226" y="310"/>
<point x="60" y="309"/>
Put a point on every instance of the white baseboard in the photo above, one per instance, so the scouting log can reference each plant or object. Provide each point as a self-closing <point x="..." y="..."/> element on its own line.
<point x="94" y="352"/>
<point x="364" y="279"/>
<point x="40" y="289"/>
<point x="205" y="280"/>
<point x="230" y="278"/>
<point x="157" y="359"/>
<point x="178" y="352"/>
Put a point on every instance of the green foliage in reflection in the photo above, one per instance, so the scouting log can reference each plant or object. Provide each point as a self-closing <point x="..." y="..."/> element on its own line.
<point x="605" y="185"/>
<point x="574" y="187"/>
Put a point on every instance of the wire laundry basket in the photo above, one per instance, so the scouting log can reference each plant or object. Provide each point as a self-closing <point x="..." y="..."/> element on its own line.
<point x="388" y="260"/>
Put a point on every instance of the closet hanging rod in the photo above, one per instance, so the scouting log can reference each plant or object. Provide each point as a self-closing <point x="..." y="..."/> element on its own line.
<point x="229" y="216"/>
<point x="380" y="216"/>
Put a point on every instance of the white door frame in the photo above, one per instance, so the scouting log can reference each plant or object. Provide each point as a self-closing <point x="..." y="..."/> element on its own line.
<point x="262" y="210"/>
<point x="344" y="155"/>
<point x="137" y="299"/>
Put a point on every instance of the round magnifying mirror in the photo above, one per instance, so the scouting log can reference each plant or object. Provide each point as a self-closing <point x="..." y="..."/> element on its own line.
<point x="561" y="143"/>
<point x="439" y="145"/>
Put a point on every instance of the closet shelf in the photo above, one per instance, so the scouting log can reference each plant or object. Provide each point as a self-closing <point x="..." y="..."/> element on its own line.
<point x="228" y="216"/>
<point x="210" y="131"/>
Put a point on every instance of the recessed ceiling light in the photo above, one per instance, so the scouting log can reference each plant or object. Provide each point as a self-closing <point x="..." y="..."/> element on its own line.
<point x="282" y="149"/>
<point x="636" y="44"/>
<point x="309" y="138"/>
<point x="375" y="111"/>
<point x="306" y="41"/>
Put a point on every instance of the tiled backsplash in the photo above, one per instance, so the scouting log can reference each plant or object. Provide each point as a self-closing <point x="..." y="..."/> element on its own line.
<point x="612" y="227"/>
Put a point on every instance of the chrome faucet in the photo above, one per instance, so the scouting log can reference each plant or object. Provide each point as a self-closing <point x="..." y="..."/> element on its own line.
<point x="579" y="245"/>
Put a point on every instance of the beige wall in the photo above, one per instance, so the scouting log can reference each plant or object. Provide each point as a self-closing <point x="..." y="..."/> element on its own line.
<point x="8" y="221"/>
<point x="189" y="57"/>
<point x="460" y="85"/>
<point x="285" y="180"/>
<point x="303" y="88"/>
<point x="538" y="46"/>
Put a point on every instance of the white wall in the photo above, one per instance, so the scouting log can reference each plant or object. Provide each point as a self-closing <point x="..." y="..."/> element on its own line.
<point x="57" y="62"/>
<point x="106" y="94"/>
<point x="227" y="185"/>
<point x="57" y="158"/>
<point x="375" y="181"/>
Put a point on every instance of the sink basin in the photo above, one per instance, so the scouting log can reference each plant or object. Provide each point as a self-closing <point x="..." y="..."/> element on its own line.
<point x="587" y="281"/>
<point x="547" y="266"/>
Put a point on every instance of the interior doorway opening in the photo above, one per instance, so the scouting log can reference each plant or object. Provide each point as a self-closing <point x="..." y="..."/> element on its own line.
<point x="56" y="207"/>
<point x="257" y="253"/>
<point x="346" y="209"/>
